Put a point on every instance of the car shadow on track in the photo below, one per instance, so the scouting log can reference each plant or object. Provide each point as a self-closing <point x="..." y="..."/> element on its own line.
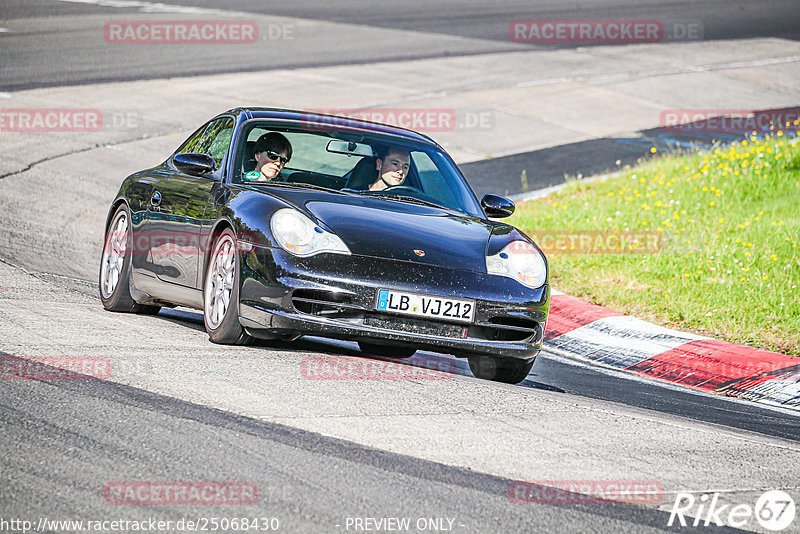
<point x="429" y="361"/>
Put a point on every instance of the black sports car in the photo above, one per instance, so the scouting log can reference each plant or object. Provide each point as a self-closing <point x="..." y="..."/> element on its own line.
<point x="281" y="223"/>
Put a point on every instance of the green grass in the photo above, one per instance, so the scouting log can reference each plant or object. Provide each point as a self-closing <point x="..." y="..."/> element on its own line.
<point x="729" y="262"/>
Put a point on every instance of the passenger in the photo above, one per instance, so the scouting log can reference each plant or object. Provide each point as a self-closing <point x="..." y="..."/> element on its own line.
<point x="272" y="152"/>
<point x="392" y="168"/>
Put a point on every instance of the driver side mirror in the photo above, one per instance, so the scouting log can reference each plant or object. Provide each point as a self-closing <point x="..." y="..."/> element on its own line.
<point x="194" y="164"/>
<point x="497" y="207"/>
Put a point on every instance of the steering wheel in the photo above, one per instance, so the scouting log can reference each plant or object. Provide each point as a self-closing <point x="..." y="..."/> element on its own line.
<point x="402" y="189"/>
<point x="411" y="191"/>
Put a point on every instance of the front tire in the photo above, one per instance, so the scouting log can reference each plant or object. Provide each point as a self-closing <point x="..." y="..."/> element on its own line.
<point x="115" y="267"/>
<point x="507" y="370"/>
<point x="221" y="293"/>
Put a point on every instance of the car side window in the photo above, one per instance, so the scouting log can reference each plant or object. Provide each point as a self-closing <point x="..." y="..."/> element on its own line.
<point x="216" y="139"/>
<point x="213" y="140"/>
<point x="433" y="182"/>
<point x="188" y="145"/>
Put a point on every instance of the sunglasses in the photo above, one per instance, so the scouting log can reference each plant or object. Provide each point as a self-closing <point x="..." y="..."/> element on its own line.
<point x="274" y="156"/>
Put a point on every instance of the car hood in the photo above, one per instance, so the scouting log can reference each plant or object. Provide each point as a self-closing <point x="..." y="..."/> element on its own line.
<point x="403" y="231"/>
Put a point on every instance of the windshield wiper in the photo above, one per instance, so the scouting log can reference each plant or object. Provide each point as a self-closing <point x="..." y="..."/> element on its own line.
<point x="302" y="185"/>
<point x="404" y="198"/>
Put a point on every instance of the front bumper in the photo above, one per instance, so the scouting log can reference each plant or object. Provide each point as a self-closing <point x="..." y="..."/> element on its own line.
<point x="330" y="295"/>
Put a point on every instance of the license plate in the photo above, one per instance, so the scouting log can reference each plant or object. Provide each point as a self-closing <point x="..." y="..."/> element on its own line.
<point x="429" y="306"/>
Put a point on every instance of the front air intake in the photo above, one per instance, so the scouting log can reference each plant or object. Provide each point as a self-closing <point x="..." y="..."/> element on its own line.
<point x="322" y="302"/>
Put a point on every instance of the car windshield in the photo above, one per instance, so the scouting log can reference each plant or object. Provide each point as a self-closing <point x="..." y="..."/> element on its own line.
<point x="355" y="163"/>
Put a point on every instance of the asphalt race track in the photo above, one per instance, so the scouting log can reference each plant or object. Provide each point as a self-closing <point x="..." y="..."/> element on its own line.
<point x="53" y="43"/>
<point x="442" y="450"/>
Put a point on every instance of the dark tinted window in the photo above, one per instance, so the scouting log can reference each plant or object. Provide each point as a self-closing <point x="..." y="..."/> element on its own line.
<point x="213" y="140"/>
<point x="188" y="145"/>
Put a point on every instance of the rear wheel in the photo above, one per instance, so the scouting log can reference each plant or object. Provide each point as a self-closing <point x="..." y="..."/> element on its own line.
<point x="221" y="293"/>
<point x="115" y="267"/>
<point x="387" y="351"/>
<point x="508" y="370"/>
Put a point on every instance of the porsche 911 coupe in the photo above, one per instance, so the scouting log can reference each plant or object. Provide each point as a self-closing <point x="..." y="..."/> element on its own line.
<point x="279" y="223"/>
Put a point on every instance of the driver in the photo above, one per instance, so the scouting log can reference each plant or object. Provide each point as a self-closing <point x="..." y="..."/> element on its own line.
<point x="392" y="168"/>
<point x="272" y="152"/>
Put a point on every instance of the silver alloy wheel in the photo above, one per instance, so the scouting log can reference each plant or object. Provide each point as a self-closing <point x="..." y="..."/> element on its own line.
<point x="114" y="254"/>
<point x="219" y="282"/>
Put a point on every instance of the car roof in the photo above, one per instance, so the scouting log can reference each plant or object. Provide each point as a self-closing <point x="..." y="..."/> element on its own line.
<point x="332" y="120"/>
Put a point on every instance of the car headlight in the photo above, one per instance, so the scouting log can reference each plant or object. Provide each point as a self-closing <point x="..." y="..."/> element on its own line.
<point x="298" y="235"/>
<point x="521" y="261"/>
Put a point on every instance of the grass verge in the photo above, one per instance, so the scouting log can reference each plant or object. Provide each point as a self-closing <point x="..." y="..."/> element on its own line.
<point x="706" y="242"/>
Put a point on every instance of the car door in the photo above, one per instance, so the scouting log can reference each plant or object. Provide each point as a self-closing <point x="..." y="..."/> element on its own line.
<point x="177" y="205"/>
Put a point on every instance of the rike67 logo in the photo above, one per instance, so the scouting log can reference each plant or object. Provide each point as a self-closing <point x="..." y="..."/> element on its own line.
<point x="774" y="510"/>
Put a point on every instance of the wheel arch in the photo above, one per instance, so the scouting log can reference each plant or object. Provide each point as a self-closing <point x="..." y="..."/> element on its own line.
<point x="113" y="209"/>
<point x="220" y="226"/>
